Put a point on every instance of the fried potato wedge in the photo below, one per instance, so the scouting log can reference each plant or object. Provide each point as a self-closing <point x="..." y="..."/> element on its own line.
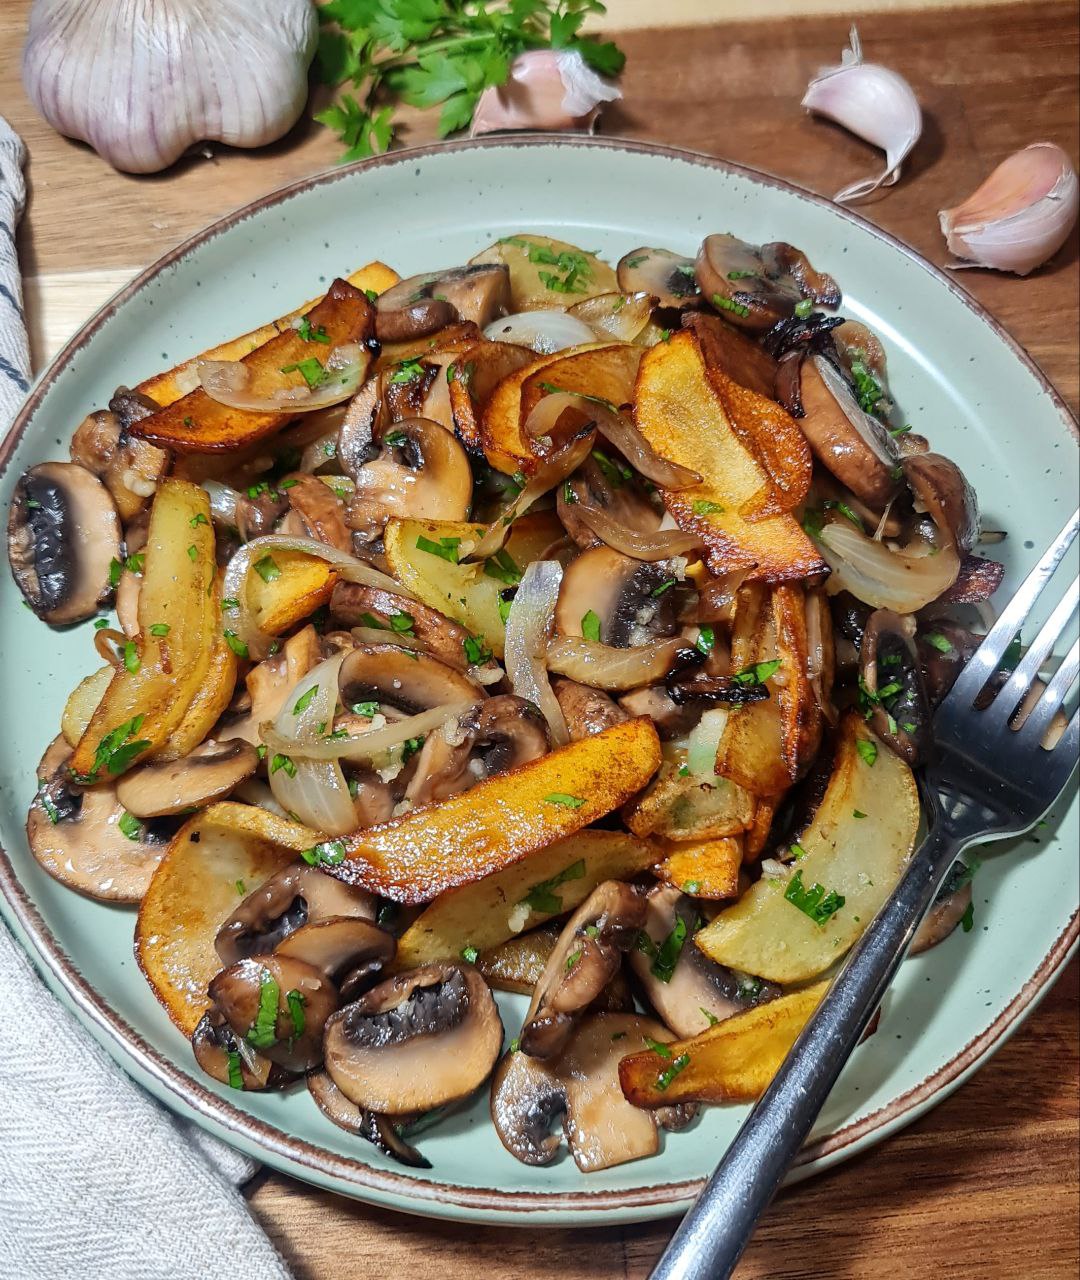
<point x="502" y="425"/>
<point x="472" y="378"/>
<point x="518" y="964"/>
<point x="304" y="584"/>
<point x="757" y="835"/>
<point x="209" y="867"/>
<point x="767" y="744"/>
<point x="686" y="807"/>
<point x="82" y="703"/>
<point x="503" y="819"/>
<point x="548" y="273"/>
<point x="681" y="416"/>
<point x="197" y="424"/>
<point x="207" y="706"/>
<point x="147" y="699"/>
<point x="608" y="373"/>
<point x="791" y="929"/>
<point x="704" y="868"/>
<point x="169" y="386"/>
<point x="733" y="353"/>
<point x="734" y="1061"/>
<point x="548" y="882"/>
<point x="467" y="593"/>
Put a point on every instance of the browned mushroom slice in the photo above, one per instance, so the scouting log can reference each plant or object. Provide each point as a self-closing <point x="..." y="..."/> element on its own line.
<point x="210" y="772"/>
<point x="587" y="711"/>
<point x="631" y="599"/>
<point x="382" y="1131"/>
<point x="341" y="944"/>
<point x="63" y="536"/>
<point x="499" y="733"/>
<point x="601" y="1127"/>
<point x="689" y="991"/>
<point x="585" y="959"/>
<point x="891" y="685"/>
<point x="758" y="286"/>
<point x="130" y="468"/>
<point x="668" y="276"/>
<point x="420" y="472"/>
<point x="229" y="1059"/>
<point x="297" y="896"/>
<point x="321" y="511"/>
<point x="85" y="839"/>
<point x="279" y="1006"/>
<point x="421" y="305"/>
<point x="395" y="678"/>
<point x="951" y="907"/>
<point x="593" y="486"/>
<point x="941" y="489"/>
<point x="416" y="1042"/>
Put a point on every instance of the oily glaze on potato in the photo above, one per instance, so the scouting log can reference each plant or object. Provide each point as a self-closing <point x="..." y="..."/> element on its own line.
<point x="703" y="868"/>
<point x="304" y="583"/>
<point x="546" y="272"/>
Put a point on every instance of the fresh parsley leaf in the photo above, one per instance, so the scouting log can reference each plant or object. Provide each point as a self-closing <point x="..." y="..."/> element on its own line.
<point x="445" y="548"/>
<point x="667" y="956"/>
<point x="327" y="854"/>
<point x="814" y="901"/>
<point x="758" y="673"/>
<point x="563" y="800"/>
<point x="267" y="568"/>
<point x="262" y="1033"/>
<point x="501" y="566"/>
<point x="542" y="898"/>
<point x="129" y="825"/>
<point x="305" y="700"/>
<point x="590" y="626"/>
<point x="664" y="1079"/>
<point x="311" y="370"/>
<point x="236" y="644"/>
<point x="867" y="750"/>
<point x="702" y="507"/>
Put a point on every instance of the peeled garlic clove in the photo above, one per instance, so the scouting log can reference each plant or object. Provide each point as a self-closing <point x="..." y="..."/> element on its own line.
<point x="875" y="104"/>
<point x="1020" y="216"/>
<point x="141" y="81"/>
<point x="546" y="89"/>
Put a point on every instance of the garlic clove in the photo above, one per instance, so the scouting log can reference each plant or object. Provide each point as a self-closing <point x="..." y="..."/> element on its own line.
<point x="142" y="81"/>
<point x="546" y="89"/>
<point x="872" y="102"/>
<point x="1020" y="216"/>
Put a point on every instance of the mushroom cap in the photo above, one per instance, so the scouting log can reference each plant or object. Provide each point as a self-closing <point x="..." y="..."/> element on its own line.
<point x="889" y="659"/>
<point x="423" y="304"/>
<point x="338" y="944"/>
<point x="587" y="711"/>
<point x="758" y="286"/>
<point x="942" y="489"/>
<point x="620" y="591"/>
<point x="406" y="681"/>
<point x="63" y="535"/>
<point x="210" y="772"/>
<point x="296" y="896"/>
<point x="668" y="276"/>
<point x="380" y="1130"/>
<point x="75" y="834"/>
<point x="129" y="468"/>
<point x="941" y="920"/>
<point x="415" y="1042"/>
<point x="299" y="1007"/>
<point x="214" y="1042"/>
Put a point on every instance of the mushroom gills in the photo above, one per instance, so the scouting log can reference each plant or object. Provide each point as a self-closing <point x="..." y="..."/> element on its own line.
<point x="383" y="1132"/>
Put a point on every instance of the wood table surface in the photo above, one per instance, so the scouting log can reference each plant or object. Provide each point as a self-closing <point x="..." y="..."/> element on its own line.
<point x="987" y="1184"/>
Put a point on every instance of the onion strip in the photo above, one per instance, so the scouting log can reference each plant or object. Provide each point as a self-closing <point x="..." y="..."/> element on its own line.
<point x="602" y="666"/>
<point x="659" y="545"/>
<point x="905" y="581"/>
<point x="528" y="627"/>
<point x="373" y="742"/>
<point x="227" y="382"/>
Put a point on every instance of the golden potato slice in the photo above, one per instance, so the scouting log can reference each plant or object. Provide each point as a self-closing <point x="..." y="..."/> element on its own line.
<point x="704" y="868"/>
<point x="305" y="583"/>
<point x="734" y="1061"/>
<point x="517" y="965"/>
<point x="166" y="387"/>
<point x="685" y="806"/>
<point x="790" y="929"/>
<point x="207" y="706"/>
<point x="82" y="703"/>
<point x="548" y="273"/>
<point x="549" y="882"/>
<point x="472" y="378"/>
<point x="503" y="819"/>
<point x="681" y="416"/>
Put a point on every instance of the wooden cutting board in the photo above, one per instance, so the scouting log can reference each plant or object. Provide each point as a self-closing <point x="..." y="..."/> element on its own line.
<point x="987" y="1184"/>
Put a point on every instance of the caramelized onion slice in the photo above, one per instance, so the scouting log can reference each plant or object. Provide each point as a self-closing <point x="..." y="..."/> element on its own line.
<point x="661" y="545"/>
<point x="528" y="627"/>
<point x="227" y="382"/>
<point x="371" y="744"/>
<point x="904" y="581"/>
<point x="603" y="667"/>
<point x="544" y="332"/>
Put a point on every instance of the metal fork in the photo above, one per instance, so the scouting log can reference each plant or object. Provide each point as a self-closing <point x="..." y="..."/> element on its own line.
<point x="991" y="778"/>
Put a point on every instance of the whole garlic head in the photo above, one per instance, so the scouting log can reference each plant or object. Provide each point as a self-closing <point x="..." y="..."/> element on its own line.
<point x="141" y="81"/>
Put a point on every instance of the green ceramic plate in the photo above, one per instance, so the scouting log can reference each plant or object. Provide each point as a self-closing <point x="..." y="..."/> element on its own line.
<point x="960" y="380"/>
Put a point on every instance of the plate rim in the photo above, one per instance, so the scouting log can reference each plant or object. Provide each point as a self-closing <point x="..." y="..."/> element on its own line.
<point x="356" y="1177"/>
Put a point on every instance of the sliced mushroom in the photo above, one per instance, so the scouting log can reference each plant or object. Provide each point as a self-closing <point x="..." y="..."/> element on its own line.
<point x="601" y="1127"/>
<point x="278" y="1005"/>
<point x="402" y="680"/>
<point x="941" y="489"/>
<point x="726" y="690"/>
<point x="688" y="990"/>
<point x="63" y="536"/>
<point x="210" y="772"/>
<point x="942" y="918"/>
<point x="130" y="468"/>
<point x="415" y="1042"/>
<point x="628" y="596"/>
<point x="945" y="648"/>
<point x="268" y="683"/>
<point x="671" y="719"/>
<point x="499" y="733"/>
<point x="421" y="473"/>
<point x="297" y="896"/>
<point x="341" y="944"/>
<point x="757" y="287"/>
<point x="668" y="276"/>
<point x="587" y="711"/>
<point x="229" y="1059"/>
<point x="585" y="959"/>
<point x="81" y="836"/>
<point x="591" y="485"/>
<point x="382" y="1131"/>
<point x="891" y="684"/>
<point x="420" y="305"/>
<point x="848" y="442"/>
<point x="321" y="511"/>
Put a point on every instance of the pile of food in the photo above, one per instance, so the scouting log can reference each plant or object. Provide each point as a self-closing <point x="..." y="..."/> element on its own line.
<point x="530" y="625"/>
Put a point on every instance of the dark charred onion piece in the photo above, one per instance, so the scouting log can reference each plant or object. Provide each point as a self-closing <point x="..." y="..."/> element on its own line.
<point x="668" y="276"/>
<point x="810" y="334"/>
<point x="715" y="689"/>
<point x="941" y="488"/>
<point x="755" y="287"/>
<point x="891" y="685"/>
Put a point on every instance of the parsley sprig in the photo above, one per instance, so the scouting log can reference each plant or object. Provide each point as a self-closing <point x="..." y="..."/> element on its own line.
<point x="430" y="53"/>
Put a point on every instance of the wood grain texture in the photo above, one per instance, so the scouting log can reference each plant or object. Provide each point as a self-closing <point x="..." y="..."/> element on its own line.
<point x="985" y="1185"/>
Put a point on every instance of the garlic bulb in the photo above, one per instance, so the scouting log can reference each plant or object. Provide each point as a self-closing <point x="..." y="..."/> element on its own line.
<point x="546" y="89"/>
<point x="875" y="104"/>
<point x="143" y="80"/>
<point x="1020" y="216"/>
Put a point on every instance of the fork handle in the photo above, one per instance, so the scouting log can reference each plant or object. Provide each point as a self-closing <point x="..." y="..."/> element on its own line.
<point x="713" y="1235"/>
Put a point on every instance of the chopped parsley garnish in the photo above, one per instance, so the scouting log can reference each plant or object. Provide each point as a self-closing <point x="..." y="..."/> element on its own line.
<point x="645" y="945"/>
<point x="402" y="623"/>
<point x="241" y="888"/>
<point x="614" y="473"/>
<point x="813" y="521"/>
<point x="188" y="420"/>
<point x="410" y="747"/>
<point x="568" y="494"/>
<point x="711" y="1017"/>
<point x="657" y="1046"/>
<point x="758" y="673"/>
<point x="236" y="644"/>
<point x="132" y="661"/>
<point x="937" y="641"/>
<point x="857" y="813"/>
<point x="814" y="901"/>
<point x="160" y="629"/>
<point x="666" y="585"/>
<point x="867" y="750"/>
<point x="116" y="568"/>
<point x="101" y="624"/>
<point x="267" y="568"/>
<point x="563" y="800"/>
<point x="445" y="548"/>
<point x="197" y="520"/>
<point x="406" y="371"/>
<point x="667" y="955"/>
<point x="691" y="886"/>
<point x="590" y="626"/>
<point x="637" y="260"/>
<point x="572" y="959"/>
<point x="803" y="309"/>
<point x="726" y="304"/>
<point x="129" y="825"/>
<point x="295" y="1001"/>
<point x="867" y="387"/>
<point x="542" y="898"/>
<point x="502" y="568"/>
<point x="262" y="1033"/>
<point x="51" y="810"/>
<point x="305" y="700"/>
<point x="308" y="334"/>
<point x="798" y="852"/>
<point x="669" y="1073"/>
<point x="116" y="750"/>
<point x="476" y="651"/>
<point x="470" y="955"/>
<point x="366" y="709"/>
<point x="135" y="563"/>
<point x="311" y="370"/>
<point x="665" y="335"/>
<point x="229" y="604"/>
<point x="193" y="553"/>
<point x="283" y="762"/>
<point x="743" y="275"/>
<point x="394" y="438"/>
<point x="845" y="511"/>
<point x="235" y="1071"/>
<point x="327" y="854"/>
<point x="702" y="507"/>
<point x="967" y="920"/>
<point x="706" y="640"/>
<point x="504" y="609"/>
